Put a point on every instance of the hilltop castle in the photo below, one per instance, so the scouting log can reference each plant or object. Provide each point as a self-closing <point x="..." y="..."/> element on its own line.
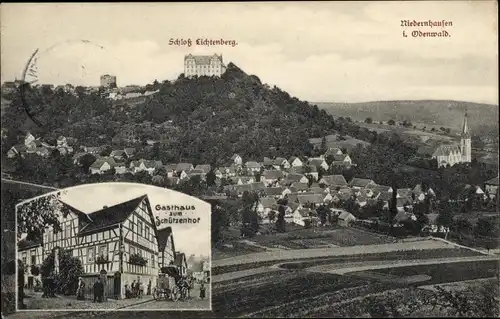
<point x="453" y="154"/>
<point x="207" y="65"/>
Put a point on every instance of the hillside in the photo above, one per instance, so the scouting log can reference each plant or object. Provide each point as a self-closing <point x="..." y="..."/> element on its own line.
<point x="431" y="112"/>
<point x="199" y="120"/>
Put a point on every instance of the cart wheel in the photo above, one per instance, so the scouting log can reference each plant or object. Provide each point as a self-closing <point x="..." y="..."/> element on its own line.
<point x="174" y="294"/>
<point x="155" y="294"/>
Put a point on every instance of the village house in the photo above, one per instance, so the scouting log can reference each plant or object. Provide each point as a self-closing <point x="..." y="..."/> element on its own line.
<point x="295" y="161"/>
<point x="121" y="168"/>
<point x="228" y="171"/>
<point x="296" y="178"/>
<point x="184" y="167"/>
<point x="403" y="193"/>
<point x="491" y="187"/>
<point x="109" y="241"/>
<point x="333" y="181"/>
<point x="204" y="168"/>
<point x="298" y="187"/>
<point x="311" y="199"/>
<point x="181" y="263"/>
<point x="270" y="177"/>
<point x="301" y="216"/>
<point x="149" y="166"/>
<point x="31" y="255"/>
<point x="16" y="150"/>
<point x="252" y="167"/>
<point x="237" y="160"/>
<point x="102" y="165"/>
<point x="275" y="192"/>
<point x="358" y="183"/>
<point x="118" y="154"/>
<point x="129" y="152"/>
<point x="345" y="219"/>
<point x="170" y="169"/>
<point x="166" y="247"/>
<point x="280" y="163"/>
<point x="341" y="160"/>
<point x="318" y="162"/>
<point x="332" y="152"/>
<point x="268" y="163"/>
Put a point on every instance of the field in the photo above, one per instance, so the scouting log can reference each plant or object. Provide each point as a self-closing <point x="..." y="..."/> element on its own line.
<point x="311" y="262"/>
<point x="442" y="273"/>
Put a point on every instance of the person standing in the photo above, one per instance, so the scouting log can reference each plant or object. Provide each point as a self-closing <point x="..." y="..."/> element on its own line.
<point x="98" y="290"/>
<point x="132" y="287"/>
<point x="149" y="287"/>
<point x="141" y="289"/>
<point x="202" y="291"/>
<point x="80" y="292"/>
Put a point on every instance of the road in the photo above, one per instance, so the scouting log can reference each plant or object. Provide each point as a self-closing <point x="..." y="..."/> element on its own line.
<point x="323" y="252"/>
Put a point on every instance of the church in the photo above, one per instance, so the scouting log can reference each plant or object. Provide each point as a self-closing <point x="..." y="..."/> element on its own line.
<point x="451" y="154"/>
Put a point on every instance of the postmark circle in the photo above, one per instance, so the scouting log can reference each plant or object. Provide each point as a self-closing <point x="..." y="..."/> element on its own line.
<point x="68" y="63"/>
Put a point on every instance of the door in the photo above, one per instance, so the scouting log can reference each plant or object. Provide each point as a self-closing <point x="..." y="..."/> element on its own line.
<point x="30" y="282"/>
<point x="117" y="286"/>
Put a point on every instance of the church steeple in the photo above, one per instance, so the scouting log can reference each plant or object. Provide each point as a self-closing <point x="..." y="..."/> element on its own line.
<point x="465" y="128"/>
<point x="465" y="142"/>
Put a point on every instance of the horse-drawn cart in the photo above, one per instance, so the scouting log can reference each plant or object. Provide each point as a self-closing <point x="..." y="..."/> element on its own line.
<point x="166" y="288"/>
<point x="170" y="285"/>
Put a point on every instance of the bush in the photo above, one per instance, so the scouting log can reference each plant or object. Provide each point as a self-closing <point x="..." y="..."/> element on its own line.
<point x="138" y="260"/>
<point x="35" y="271"/>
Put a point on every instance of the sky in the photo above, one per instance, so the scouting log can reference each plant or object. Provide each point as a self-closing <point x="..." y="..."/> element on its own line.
<point x="188" y="238"/>
<point x="316" y="51"/>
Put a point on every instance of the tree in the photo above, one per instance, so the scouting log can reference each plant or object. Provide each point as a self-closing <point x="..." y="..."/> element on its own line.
<point x="35" y="216"/>
<point x="70" y="268"/>
<point x="280" y="222"/>
<point x="368" y="120"/>
<point x="486" y="227"/>
<point x="445" y="219"/>
<point x="220" y="221"/>
<point x="211" y="178"/>
<point x="322" y="213"/>
<point x="391" y="122"/>
<point x="250" y="218"/>
<point x="86" y="161"/>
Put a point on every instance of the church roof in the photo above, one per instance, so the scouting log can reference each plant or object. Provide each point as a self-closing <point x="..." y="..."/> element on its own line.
<point x="446" y="150"/>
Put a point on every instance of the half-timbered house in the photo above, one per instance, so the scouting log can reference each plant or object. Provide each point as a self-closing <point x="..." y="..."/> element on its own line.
<point x="120" y="241"/>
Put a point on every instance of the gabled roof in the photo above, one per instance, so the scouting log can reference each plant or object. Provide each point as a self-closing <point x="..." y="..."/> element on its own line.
<point x="333" y="151"/>
<point x="272" y="174"/>
<point x="340" y="157"/>
<point x="360" y="182"/>
<point x="273" y="191"/>
<point x="170" y="167"/>
<point x="279" y="160"/>
<point x="316" y="161"/>
<point x="267" y="202"/>
<point x="235" y="156"/>
<point x="252" y="164"/>
<point x="299" y="186"/>
<point x="111" y="217"/>
<point x="163" y="235"/>
<point x="338" y="180"/>
<point x="293" y="158"/>
<point x="180" y="259"/>
<point x="100" y="161"/>
<point x="493" y="181"/>
<point x="184" y="167"/>
<point x="293" y="177"/>
<point x="117" y="153"/>
<point x="310" y="198"/>
<point x="203" y="167"/>
<point x="268" y="161"/>
<point x="345" y="215"/>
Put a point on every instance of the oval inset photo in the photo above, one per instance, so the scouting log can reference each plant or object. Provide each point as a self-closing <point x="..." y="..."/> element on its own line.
<point x="114" y="246"/>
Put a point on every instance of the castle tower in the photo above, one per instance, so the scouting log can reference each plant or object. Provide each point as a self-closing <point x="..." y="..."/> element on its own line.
<point x="465" y="142"/>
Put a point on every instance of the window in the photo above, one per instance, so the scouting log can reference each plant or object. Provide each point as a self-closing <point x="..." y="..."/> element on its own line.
<point x="132" y="250"/>
<point x="90" y="254"/>
<point x="153" y="260"/>
<point x="139" y="228"/>
<point x="50" y="235"/>
<point x="146" y="233"/>
<point x="33" y="260"/>
<point x="103" y="251"/>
